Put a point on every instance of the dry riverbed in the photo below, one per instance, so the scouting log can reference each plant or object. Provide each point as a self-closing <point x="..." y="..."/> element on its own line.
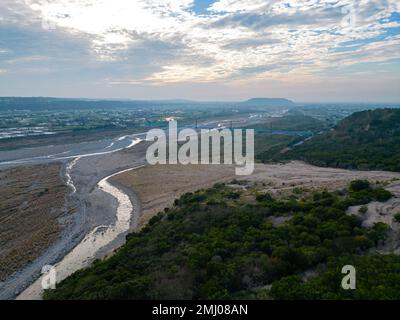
<point x="92" y="208"/>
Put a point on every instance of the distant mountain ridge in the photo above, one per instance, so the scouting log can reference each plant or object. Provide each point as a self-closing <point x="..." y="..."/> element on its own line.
<point x="36" y="103"/>
<point x="367" y="140"/>
<point x="267" y="102"/>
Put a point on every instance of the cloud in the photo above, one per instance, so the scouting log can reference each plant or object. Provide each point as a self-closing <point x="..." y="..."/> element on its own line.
<point x="239" y="6"/>
<point x="165" y="41"/>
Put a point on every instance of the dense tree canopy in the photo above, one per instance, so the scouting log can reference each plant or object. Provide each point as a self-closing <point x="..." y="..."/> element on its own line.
<point x="216" y="244"/>
<point x="365" y="140"/>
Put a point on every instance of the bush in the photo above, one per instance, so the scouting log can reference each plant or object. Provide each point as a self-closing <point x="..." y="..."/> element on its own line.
<point x="363" y="210"/>
<point x="397" y="217"/>
<point x="382" y="195"/>
<point x="264" y="197"/>
<point x="377" y="273"/>
<point x="233" y="195"/>
<point x="359" y="185"/>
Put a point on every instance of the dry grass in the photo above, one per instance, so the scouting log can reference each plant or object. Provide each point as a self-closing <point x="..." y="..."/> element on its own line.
<point x="31" y="201"/>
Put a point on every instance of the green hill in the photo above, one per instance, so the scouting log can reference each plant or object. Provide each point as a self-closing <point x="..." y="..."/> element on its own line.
<point x="221" y="243"/>
<point x="367" y="140"/>
<point x="296" y="122"/>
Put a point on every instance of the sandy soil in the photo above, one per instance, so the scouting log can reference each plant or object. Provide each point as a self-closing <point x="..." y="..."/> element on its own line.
<point x="158" y="186"/>
<point x="296" y="174"/>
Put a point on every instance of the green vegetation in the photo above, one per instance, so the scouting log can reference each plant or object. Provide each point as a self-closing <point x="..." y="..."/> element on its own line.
<point x="220" y="244"/>
<point x="378" y="277"/>
<point x="363" y="210"/>
<point x="397" y="217"/>
<point x="294" y="122"/>
<point x="269" y="146"/>
<point x="367" y="140"/>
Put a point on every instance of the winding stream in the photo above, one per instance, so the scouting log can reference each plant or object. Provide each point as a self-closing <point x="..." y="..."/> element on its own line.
<point x="68" y="174"/>
<point x="85" y="252"/>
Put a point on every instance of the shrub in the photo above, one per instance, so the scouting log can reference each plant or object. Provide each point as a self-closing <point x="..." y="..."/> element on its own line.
<point x="264" y="197"/>
<point x="233" y="195"/>
<point x="382" y="195"/>
<point x="358" y="185"/>
<point x="363" y="210"/>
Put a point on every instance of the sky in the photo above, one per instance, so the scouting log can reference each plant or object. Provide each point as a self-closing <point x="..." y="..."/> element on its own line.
<point x="304" y="50"/>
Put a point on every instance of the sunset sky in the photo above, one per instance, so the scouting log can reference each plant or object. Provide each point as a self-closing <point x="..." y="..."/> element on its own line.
<point x="315" y="50"/>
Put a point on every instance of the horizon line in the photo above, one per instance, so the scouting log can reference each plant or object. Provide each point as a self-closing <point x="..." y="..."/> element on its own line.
<point x="183" y="100"/>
